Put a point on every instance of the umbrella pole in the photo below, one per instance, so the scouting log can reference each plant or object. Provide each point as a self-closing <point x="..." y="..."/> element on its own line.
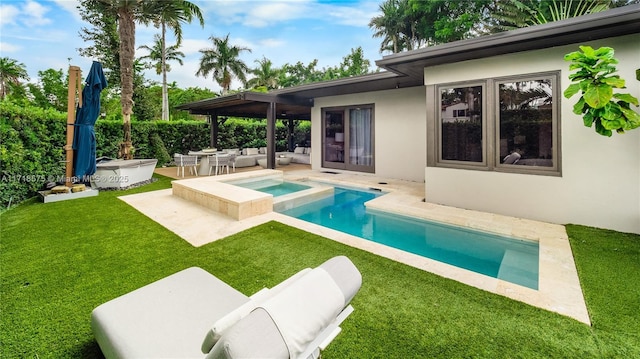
<point x="74" y="84"/>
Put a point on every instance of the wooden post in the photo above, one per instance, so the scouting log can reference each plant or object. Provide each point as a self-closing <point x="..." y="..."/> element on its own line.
<point x="74" y="85"/>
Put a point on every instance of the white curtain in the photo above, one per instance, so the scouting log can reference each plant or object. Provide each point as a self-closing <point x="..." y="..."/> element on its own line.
<point x="360" y="141"/>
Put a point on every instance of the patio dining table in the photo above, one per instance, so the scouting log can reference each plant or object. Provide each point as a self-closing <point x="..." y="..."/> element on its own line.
<point x="203" y="160"/>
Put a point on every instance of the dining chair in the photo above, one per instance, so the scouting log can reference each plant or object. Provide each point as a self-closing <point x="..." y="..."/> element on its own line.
<point x="218" y="161"/>
<point x="183" y="161"/>
<point x="232" y="160"/>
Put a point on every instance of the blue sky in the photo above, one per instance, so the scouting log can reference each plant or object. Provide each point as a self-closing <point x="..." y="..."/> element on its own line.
<point x="43" y="34"/>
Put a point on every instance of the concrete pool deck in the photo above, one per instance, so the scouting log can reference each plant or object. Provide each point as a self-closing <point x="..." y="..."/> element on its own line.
<point x="559" y="287"/>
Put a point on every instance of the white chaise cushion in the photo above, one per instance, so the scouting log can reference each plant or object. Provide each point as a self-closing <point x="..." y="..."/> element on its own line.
<point x="223" y="324"/>
<point x="303" y="309"/>
<point x="165" y="319"/>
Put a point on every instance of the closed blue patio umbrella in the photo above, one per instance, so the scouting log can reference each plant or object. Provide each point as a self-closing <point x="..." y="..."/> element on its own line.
<point x="84" y="139"/>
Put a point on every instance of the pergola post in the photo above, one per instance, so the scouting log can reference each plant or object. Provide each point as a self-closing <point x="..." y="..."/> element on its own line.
<point x="213" y="136"/>
<point x="290" y="143"/>
<point x="271" y="135"/>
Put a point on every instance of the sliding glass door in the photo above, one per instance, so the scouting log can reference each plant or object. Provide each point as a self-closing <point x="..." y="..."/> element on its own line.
<point x="348" y="134"/>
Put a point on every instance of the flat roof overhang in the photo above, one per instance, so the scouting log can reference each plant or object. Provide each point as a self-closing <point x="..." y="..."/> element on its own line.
<point x="252" y="105"/>
<point x="377" y="81"/>
<point x="616" y="22"/>
<point x="296" y="102"/>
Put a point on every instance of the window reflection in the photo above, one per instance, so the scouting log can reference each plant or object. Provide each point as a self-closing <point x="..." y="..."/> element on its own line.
<point x="461" y="124"/>
<point x="526" y="117"/>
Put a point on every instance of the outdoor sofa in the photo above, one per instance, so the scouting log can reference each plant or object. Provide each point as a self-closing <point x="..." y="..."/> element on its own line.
<point x="249" y="157"/>
<point x="299" y="155"/>
<point x="193" y="314"/>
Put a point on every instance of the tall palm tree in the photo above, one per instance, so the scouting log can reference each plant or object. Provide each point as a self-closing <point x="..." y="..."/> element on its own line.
<point x="127" y="13"/>
<point x="11" y="72"/>
<point x="390" y="26"/>
<point x="171" y="53"/>
<point x="223" y="61"/>
<point x="172" y="14"/>
<point x="265" y="75"/>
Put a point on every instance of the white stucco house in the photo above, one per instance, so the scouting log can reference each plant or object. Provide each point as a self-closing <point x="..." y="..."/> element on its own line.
<point x="508" y="88"/>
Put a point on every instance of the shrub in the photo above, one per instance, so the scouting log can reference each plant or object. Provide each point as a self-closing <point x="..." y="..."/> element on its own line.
<point x="32" y="143"/>
<point x="31" y="150"/>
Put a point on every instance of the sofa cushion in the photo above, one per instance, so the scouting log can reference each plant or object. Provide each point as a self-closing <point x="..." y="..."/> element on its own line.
<point x="262" y="150"/>
<point x="307" y="150"/>
<point x="252" y="151"/>
<point x="231" y="151"/>
<point x="299" y="150"/>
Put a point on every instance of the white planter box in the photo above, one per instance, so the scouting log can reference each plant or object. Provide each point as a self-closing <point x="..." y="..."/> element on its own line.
<point x="123" y="173"/>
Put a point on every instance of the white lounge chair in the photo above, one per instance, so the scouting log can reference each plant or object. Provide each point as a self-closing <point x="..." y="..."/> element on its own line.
<point x="193" y="314"/>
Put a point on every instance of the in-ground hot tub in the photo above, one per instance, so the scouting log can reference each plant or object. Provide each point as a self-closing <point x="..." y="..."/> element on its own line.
<point x="118" y="174"/>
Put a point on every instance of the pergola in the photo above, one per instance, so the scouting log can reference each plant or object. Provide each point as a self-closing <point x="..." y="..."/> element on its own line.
<point x="254" y="105"/>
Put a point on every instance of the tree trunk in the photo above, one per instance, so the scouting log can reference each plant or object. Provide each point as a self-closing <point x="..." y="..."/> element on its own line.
<point x="126" y="31"/>
<point x="165" y="92"/>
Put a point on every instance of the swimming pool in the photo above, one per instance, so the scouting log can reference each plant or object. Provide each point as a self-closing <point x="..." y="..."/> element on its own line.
<point x="272" y="186"/>
<point x="505" y="258"/>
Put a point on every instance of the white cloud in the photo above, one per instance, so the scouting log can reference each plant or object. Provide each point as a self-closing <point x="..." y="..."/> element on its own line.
<point x="272" y="43"/>
<point x="71" y="6"/>
<point x="359" y="15"/>
<point x="29" y="13"/>
<point x="33" y="14"/>
<point x="242" y="42"/>
<point x="185" y="76"/>
<point x="193" y="46"/>
<point x="273" y="12"/>
<point x="7" y="47"/>
<point x="262" y="14"/>
<point x="8" y="14"/>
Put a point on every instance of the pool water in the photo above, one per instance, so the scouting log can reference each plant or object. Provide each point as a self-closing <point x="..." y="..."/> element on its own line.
<point x="273" y="186"/>
<point x="497" y="256"/>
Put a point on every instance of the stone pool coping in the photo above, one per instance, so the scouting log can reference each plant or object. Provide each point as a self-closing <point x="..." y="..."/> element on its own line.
<point x="559" y="287"/>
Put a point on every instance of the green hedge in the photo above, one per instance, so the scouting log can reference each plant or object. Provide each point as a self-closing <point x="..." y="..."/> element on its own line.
<point x="152" y="139"/>
<point x="238" y="133"/>
<point x="31" y="150"/>
<point x="32" y="141"/>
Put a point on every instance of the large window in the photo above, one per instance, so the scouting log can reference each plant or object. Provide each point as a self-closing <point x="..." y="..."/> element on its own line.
<point x="525" y="114"/>
<point x="462" y="124"/>
<point x="347" y="141"/>
<point x="505" y="124"/>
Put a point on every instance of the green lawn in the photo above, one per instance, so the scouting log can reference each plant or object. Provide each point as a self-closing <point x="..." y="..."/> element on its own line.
<point x="60" y="260"/>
